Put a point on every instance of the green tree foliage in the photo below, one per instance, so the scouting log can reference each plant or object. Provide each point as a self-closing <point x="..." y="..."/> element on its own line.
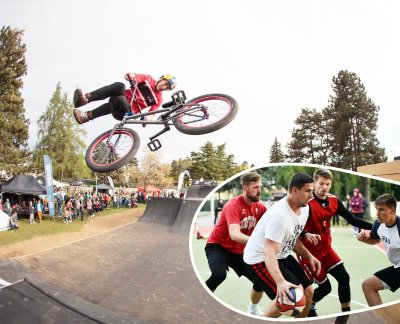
<point x="60" y="137"/>
<point x="344" y="133"/>
<point x="179" y="166"/>
<point x="309" y="142"/>
<point x="241" y="167"/>
<point x="14" y="130"/>
<point x="212" y="162"/>
<point x="276" y="154"/>
<point x="352" y="118"/>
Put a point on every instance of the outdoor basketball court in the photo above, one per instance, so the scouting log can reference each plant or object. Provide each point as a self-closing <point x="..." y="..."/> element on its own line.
<point x="361" y="260"/>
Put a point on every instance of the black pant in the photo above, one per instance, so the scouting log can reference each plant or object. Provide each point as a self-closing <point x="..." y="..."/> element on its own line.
<point x="118" y="105"/>
<point x="219" y="260"/>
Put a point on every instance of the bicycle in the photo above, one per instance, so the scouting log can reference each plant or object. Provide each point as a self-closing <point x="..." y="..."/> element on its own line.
<point x="204" y="114"/>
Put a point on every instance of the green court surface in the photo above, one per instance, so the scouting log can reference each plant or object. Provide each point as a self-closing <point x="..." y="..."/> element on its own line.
<point x="361" y="260"/>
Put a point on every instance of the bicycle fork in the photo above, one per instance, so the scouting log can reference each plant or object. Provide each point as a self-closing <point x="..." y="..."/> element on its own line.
<point x="110" y="145"/>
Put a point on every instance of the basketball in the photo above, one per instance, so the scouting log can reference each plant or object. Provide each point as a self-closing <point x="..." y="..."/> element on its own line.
<point x="292" y="306"/>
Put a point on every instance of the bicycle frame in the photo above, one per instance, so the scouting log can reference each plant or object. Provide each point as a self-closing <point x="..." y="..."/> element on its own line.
<point x="166" y="116"/>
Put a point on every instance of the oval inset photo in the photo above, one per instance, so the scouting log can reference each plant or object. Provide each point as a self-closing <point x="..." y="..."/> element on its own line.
<point x="290" y="241"/>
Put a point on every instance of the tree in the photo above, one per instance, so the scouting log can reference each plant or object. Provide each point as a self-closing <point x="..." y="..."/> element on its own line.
<point x="309" y="142"/>
<point x="352" y="120"/>
<point x="61" y="138"/>
<point x="179" y="166"/>
<point x="241" y="167"/>
<point x="14" y="130"/>
<point x="276" y="154"/>
<point x="154" y="172"/>
<point x="212" y="162"/>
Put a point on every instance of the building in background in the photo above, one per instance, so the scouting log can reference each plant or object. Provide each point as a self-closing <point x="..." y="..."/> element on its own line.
<point x="387" y="170"/>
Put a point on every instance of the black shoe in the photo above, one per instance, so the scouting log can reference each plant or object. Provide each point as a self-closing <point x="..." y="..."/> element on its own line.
<point x="312" y="313"/>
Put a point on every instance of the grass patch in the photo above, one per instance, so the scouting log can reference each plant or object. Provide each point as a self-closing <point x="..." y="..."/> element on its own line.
<point x="27" y="231"/>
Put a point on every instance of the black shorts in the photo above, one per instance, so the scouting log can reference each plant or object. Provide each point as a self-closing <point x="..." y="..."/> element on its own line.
<point x="221" y="259"/>
<point x="390" y="276"/>
<point x="291" y="271"/>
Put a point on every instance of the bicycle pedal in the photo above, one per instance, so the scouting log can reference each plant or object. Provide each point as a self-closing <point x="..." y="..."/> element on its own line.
<point x="154" y="145"/>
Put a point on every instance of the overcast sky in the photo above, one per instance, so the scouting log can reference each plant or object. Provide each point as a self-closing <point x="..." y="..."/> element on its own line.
<point x="274" y="57"/>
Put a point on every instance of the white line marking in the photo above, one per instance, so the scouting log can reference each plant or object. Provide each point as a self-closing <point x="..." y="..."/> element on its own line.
<point x="377" y="247"/>
<point x="352" y="301"/>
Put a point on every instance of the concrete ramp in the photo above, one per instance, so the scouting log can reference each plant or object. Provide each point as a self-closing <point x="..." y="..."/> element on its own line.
<point x="26" y="302"/>
<point x="198" y="191"/>
<point x="186" y="213"/>
<point x="161" y="210"/>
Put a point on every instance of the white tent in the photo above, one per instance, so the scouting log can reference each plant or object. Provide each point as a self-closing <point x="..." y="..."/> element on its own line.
<point x="4" y="221"/>
<point x="59" y="184"/>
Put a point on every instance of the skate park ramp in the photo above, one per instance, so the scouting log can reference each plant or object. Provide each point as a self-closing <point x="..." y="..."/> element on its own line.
<point x="161" y="210"/>
<point x="185" y="216"/>
<point x="174" y="212"/>
<point x="198" y="191"/>
<point x="34" y="301"/>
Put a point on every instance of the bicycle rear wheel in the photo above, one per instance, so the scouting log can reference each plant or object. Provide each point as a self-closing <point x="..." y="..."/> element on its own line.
<point x="206" y="114"/>
<point x="103" y="156"/>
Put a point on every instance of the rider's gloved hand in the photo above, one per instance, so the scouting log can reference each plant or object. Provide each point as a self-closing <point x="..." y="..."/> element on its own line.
<point x="129" y="76"/>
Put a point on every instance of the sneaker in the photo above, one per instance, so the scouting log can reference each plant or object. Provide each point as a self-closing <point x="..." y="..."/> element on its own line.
<point x="79" y="98"/>
<point x="80" y="116"/>
<point x="312" y="312"/>
<point x="254" y="311"/>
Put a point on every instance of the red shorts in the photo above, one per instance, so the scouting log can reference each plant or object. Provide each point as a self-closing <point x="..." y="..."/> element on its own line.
<point x="328" y="261"/>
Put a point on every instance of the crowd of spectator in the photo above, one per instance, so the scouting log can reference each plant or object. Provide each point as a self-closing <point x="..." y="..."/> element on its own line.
<point x="72" y="206"/>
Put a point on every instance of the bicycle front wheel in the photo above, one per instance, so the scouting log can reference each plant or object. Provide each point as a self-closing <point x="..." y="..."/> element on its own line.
<point x="206" y="114"/>
<point x="106" y="154"/>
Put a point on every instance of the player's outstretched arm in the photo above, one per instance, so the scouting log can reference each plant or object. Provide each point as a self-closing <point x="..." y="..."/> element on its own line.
<point x="367" y="238"/>
<point x="314" y="239"/>
<point x="236" y="235"/>
<point x="353" y="220"/>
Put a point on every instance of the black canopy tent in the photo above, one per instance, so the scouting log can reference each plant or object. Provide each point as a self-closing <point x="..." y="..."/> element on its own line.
<point x="21" y="189"/>
<point x="23" y="184"/>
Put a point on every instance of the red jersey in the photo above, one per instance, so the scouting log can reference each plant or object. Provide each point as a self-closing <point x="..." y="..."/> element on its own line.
<point x="236" y="211"/>
<point x="319" y="222"/>
<point x="146" y="94"/>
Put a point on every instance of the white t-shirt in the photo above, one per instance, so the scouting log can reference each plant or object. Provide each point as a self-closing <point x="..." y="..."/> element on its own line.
<point x="280" y="224"/>
<point x="390" y="237"/>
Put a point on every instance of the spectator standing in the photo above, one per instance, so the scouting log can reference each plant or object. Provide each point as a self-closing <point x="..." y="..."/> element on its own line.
<point x="39" y="210"/>
<point x="356" y="207"/>
<point x="89" y="207"/>
<point x="31" y="213"/>
<point x="7" y="207"/>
